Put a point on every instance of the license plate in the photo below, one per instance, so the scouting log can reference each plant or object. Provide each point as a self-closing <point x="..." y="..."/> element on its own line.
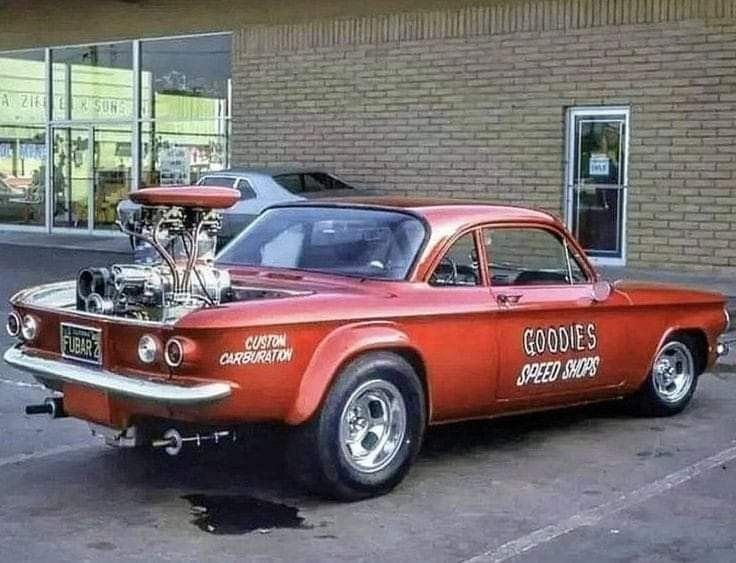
<point x="81" y="343"/>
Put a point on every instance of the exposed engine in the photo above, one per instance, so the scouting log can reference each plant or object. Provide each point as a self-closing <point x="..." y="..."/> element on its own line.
<point x="173" y="271"/>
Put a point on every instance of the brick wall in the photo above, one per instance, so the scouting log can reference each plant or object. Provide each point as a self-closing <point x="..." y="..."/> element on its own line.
<point x="472" y="103"/>
<point x="40" y="23"/>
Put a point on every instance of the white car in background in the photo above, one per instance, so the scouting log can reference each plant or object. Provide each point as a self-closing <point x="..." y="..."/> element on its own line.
<point x="259" y="188"/>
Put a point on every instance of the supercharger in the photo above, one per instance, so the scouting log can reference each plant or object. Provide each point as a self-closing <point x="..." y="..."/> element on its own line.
<point x="173" y="270"/>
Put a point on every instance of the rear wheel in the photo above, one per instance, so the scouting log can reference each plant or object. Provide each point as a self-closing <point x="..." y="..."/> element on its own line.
<point x="368" y="432"/>
<point x="673" y="379"/>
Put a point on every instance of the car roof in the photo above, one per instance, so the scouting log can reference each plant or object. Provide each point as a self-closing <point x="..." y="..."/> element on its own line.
<point x="448" y="214"/>
<point x="446" y="217"/>
<point x="265" y="171"/>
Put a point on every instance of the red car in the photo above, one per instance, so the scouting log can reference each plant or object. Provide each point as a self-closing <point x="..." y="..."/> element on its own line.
<point x="356" y="323"/>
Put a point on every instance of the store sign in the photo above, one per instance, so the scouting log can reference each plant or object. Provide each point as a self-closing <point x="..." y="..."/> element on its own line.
<point x="599" y="164"/>
<point x="18" y="104"/>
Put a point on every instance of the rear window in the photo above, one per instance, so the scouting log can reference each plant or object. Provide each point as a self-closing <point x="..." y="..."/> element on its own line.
<point x="338" y="240"/>
<point x="218" y="181"/>
<point x="310" y="182"/>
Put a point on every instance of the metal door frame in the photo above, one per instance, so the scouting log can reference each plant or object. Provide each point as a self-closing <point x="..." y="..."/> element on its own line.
<point x="89" y="128"/>
<point x="621" y="112"/>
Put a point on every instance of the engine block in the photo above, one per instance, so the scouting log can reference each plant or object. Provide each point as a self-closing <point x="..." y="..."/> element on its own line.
<point x="147" y="292"/>
<point x="173" y="270"/>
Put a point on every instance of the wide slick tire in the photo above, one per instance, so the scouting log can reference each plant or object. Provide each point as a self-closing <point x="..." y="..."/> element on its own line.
<point x="673" y="379"/>
<point x="365" y="437"/>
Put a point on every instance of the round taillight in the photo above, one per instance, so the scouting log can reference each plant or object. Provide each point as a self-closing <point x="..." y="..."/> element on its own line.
<point x="29" y="328"/>
<point x="12" y="325"/>
<point x="174" y="353"/>
<point x="148" y="348"/>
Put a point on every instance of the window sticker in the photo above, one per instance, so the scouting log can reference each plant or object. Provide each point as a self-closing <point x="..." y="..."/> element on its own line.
<point x="599" y="164"/>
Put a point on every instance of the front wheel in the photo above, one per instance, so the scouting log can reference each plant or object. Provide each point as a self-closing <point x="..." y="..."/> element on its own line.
<point x="672" y="381"/>
<point x="368" y="432"/>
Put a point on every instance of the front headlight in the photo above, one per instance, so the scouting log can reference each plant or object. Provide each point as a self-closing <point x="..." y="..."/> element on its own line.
<point x="29" y="328"/>
<point x="127" y="213"/>
<point x="148" y="348"/>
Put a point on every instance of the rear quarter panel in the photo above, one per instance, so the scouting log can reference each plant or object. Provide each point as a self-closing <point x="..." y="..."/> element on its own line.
<point x="449" y="333"/>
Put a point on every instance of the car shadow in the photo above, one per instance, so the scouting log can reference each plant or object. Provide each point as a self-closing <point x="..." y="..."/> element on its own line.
<point x="515" y="431"/>
<point x="238" y="488"/>
<point x="259" y="460"/>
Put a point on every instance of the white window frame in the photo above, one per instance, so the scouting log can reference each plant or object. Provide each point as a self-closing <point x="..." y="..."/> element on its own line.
<point x="597" y="111"/>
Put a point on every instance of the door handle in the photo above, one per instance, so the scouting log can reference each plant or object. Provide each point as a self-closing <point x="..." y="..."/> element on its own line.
<point x="508" y="299"/>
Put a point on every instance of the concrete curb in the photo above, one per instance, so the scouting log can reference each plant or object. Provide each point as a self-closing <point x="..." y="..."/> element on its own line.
<point x="65" y="246"/>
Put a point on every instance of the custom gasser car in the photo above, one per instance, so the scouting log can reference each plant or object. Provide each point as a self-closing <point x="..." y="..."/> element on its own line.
<point x="357" y="323"/>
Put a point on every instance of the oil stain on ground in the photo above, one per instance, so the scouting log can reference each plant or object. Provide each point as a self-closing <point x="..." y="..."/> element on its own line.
<point x="240" y="514"/>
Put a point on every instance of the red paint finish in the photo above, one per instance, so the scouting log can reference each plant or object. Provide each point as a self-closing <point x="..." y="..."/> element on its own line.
<point x="482" y="351"/>
<point x="187" y="196"/>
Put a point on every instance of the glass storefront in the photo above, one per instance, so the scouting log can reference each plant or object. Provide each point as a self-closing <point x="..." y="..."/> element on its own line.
<point x="93" y="82"/>
<point x="22" y="138"/>
<point x="122" y="116"/>
<point x="185" y="106"/>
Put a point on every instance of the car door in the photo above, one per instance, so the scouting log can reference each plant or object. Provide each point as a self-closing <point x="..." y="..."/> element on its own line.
<point x="555" y="341"/>
<point x="455" y="340"/>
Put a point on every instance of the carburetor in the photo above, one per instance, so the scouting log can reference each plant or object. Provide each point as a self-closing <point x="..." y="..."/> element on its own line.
<point x="174" y="237"/>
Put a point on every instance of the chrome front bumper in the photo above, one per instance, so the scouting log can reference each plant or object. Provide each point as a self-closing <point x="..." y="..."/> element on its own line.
<point x="119" y="385"/>
<point x="726" y="343"/>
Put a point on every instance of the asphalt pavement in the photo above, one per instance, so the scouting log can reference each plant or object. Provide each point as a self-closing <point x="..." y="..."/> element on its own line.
<point x="573" y="485"/>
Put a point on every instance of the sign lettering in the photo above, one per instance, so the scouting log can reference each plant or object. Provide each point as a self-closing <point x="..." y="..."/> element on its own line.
<point x="555" y="341"/>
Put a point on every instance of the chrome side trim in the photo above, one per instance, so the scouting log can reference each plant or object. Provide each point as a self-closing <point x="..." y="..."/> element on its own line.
<point x="120" y="385"/>
<point x="57" y="294"/>
<point x="727" y="314"/>
<point x="60" y="297"/>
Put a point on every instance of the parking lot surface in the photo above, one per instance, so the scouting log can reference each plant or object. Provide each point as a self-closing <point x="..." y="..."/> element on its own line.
<point x="581" y="484"/>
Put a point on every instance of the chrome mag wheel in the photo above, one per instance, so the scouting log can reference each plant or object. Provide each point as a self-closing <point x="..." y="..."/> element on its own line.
<point x="373" y="426"/>
<point x="674" y="372"/>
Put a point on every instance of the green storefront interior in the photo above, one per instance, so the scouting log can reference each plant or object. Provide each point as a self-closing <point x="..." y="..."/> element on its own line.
<point x="113" y="125"/>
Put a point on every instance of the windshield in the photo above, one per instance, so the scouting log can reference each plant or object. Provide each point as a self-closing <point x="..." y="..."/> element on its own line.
<point x="339" y="240"/>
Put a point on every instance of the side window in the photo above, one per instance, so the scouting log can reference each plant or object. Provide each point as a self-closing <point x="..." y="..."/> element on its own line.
<point x="292" y="182"/>
<point x="530" y="256"/>
<point x="245" y="189"/>
<point x="339" y="184"/>
<point x="317" y="182"/>
<point x="218" y="181"/>
<point x="459" y="265"/>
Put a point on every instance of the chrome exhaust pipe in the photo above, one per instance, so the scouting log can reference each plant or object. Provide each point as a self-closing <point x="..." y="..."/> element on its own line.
<point x="52" y="406"/>
<point x="173" y="442"/>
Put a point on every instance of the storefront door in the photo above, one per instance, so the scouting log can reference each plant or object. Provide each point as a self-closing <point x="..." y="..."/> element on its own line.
<point x="91" y="173"/>
<point x="71" y="176"/>
<point x="597" y="181"/>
